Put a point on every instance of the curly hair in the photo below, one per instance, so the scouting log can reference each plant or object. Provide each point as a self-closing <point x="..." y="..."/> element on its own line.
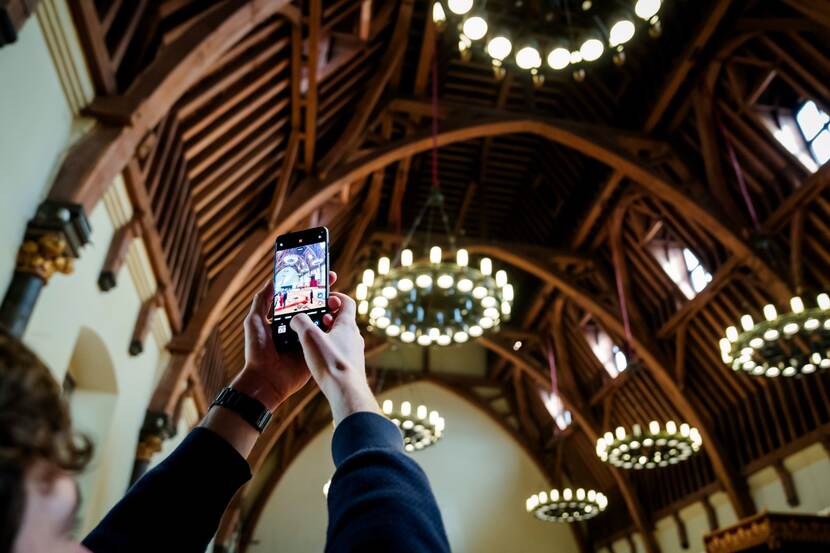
<point x="34" y="425"/>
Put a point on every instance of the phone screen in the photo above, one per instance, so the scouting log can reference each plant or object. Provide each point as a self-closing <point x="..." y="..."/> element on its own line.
<point x="300" y="277"/>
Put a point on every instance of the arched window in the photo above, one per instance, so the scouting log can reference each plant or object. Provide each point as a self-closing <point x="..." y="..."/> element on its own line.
<point x="682" y="266"/>
<point x="608" y="353"/>
<point x="814" y="125"/>
<point x="553" y="403"/>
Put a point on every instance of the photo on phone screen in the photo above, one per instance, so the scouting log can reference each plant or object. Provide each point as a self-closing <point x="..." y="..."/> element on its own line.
<point x="300" y="280"/>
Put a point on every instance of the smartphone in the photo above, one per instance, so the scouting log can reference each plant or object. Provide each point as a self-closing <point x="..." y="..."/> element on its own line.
<point x="301" y="282"/>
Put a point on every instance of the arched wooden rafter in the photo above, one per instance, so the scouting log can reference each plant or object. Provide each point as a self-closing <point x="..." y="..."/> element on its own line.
<point x="503" y="348"/>
<point x="93" y="163"/>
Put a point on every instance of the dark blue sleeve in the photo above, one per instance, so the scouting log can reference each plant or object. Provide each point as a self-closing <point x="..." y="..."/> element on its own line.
<point x="177" y="505"/>
<point x="379" y="499"/>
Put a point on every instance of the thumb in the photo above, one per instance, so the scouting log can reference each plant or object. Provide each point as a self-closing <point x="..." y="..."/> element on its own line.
<point x="317" y="349"/>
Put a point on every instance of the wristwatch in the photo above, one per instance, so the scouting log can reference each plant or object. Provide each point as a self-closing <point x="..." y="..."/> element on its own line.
<point x="250" y="409"/>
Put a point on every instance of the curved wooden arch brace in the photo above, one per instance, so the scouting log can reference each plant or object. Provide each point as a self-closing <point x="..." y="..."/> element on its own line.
<point x="590" y="140"/>
<point x="99" y="157"/>
<point x="264" y="495"/>
<point x="728" y="476"/>
<point x="529" y="367"/>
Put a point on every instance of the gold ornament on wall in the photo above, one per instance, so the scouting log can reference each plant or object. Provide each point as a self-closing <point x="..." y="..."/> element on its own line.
<point x="45" y="256"/>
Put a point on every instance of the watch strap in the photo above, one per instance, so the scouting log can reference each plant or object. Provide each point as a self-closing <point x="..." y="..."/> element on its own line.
<point x="251" y="410"/>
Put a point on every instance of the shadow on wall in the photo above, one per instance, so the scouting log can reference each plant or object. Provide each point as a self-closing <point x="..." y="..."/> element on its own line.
<point x="91" y="389"/>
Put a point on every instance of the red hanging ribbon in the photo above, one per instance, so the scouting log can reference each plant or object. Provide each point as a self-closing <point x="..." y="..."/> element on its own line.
<point x="739" y="175"/>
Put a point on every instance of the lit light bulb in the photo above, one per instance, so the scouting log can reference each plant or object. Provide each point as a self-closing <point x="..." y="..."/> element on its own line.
<point x="732" y="334"/>
<point x="620" y="433"/>
<point x="405" y="285"/>
<point x="576" y="57"/>
<point x="486" y="322"/>
<point x="684" y="430"/>
<point x="531" y="503"/>
<point x="444" y="281"/>
<point x="389" y="292"/>
<point x="671" y="427"/>
<point x="621" y="32"/>
<point x="479" y="292"/>
<point x="501" y="278"/>
<point x="486" y="266"/>
<point x="406" y="408"/>
<point x="567" y="494"/>
<point x="377" y="312"/>
<point x="424" y="340"/>
<point x="392" y="330"/>
<point x="462" y="258"/>
<point x="435" y="254"/>
<point x="591" y="49"/>
<point x="475" y="331"/>
<point x="489" y="301"/>
<point x="438" y="14"/>
<point x="363" y="307"/>
<point x="475" y="27"/>
<point x="505" y="308"/>
<point x="770" y="313"/>
<point x="491" y="313"/>
<point x="383" y="265"/>
<point x="387" y="406"/>
<point x="823" y="302"/>
<point x="543" y="497"/>
<point x="645" y="9"/>
<point x="382" y="322"/>
<point x="444" y="340"/>
<point x="554" y="495"/>
<point x="797" y="305"/>
<point x="406" y="258"/>
<point x="559" y="58"/>
<point x="460" y="7"/>
<point x="362" y="292"/>
<point x="747" y="323"/>
<point x="380" y="301"/>
<point x="528" y="58"/>
<point x="434" y="333"/>
<point x="368" y="277"/>
<point x="465" y="285"/>
<point x="460" y="337"/>
<point x="407" y="336"/>
<point x="499" y="48"/>
<point x="507" y="292"/>
<point x="580" y="494"/>
<point x="423" y="281"/>
<point x="654" y="427"/>
<point x="421" y="412"/>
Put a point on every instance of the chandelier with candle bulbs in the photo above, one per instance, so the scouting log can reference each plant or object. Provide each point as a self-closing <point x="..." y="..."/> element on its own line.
<point x="434" y="302"/>
<point x="656" y="446"/>
<point x="420" y="427"/>
<point x="566" y="506"/>
<point x="796" y="342"/>
<point x="560" y="51"/>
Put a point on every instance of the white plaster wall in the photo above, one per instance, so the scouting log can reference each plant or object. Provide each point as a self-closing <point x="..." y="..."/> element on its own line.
<point x="479" y="475"/>
<point x="35" y="123"/>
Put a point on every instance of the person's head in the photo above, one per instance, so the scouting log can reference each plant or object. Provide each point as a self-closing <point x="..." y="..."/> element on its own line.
<point x="39" y="454"/>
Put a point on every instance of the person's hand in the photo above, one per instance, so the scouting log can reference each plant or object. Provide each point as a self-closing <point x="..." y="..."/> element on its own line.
<point x="336" y="360"/>
<point x="271" y="376"/>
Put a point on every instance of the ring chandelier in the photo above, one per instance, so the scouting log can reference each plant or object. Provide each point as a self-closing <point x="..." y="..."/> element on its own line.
<point x="436" y="302"/>
<point x="656" y="447"/>
<point x="787" y="344"/>
<point x="420" y="427"/>
<point x="560" y="52"/>
<point x="567" y="506"/>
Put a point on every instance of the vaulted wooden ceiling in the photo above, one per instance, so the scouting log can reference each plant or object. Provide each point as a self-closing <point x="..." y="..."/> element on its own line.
<point x="236" y="121"/>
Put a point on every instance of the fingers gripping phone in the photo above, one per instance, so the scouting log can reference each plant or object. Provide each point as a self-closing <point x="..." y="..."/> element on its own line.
<point x="301" y="282"/>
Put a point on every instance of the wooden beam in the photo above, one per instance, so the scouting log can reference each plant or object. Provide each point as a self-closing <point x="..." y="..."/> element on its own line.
<point x="354" y="132"/>
<point x="315" y="19"/>
<point x="787" y="483"/>
<point x="96" y="160"/>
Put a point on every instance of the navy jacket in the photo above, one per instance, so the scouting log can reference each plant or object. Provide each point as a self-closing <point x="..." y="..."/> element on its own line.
<point x="379" y="499"/>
